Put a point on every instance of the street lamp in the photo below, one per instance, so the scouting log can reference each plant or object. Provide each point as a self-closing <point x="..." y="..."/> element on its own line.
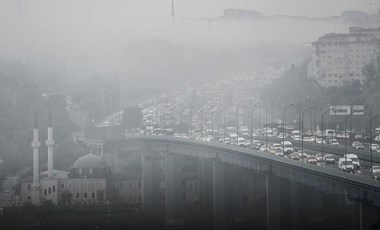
<point x="345" y="138"/>
<point x="254" y="107"/>
<point x="370" y="138"/>
<point x="283" y="124"/>
<point x="370" y="109"/>
<point x="315" y="112"/>
<point x="311" y="107"/>
<point x="322" y="129"/>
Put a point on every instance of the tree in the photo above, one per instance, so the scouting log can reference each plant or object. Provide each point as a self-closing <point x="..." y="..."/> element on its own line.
<point x="66" y="197"/>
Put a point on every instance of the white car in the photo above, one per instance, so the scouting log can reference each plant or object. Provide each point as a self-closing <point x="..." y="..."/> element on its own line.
<point x="376" y="169"/>
<point x="346" y="164"/>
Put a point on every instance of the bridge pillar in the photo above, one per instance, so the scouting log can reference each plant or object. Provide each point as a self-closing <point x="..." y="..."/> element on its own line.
<point x="151" y="177"/>
<point x="219" y="194"/>
<point x="365" y="216"/>
<point x="173" y="190"/>
<point x="278" y="193"/>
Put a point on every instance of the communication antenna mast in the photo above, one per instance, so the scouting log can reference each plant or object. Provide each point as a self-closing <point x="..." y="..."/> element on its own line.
<point x="173" y="11"/>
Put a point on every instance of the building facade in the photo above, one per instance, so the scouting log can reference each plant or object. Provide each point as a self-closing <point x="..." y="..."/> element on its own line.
<point x="338" y="59"/>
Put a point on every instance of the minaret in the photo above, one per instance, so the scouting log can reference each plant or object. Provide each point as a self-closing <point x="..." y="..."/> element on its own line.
<point x="50" y="144"/>
<point x="173" y="12"/>
<point x="36" y="187"/>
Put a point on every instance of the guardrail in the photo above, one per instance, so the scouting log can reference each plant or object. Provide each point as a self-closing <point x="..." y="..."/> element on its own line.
<point x="302" y="167"/>
<point x="336" y="150"/>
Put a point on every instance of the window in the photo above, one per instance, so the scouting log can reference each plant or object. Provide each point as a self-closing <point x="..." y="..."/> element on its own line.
<point x="85" y="195"/>
<point x="121" y="184"/>
<point x="29" y="186"/>
<point x="62" y="185"/>
<point x="28" y="197"/>
<point x="77" y="195"/>
<point x="90" y="170"/>
<point x="45" y="192"/>
<point x="93" y="195"/>
<point x="49" y="190"/>
<point x="80" y="171"/>
<point x="53" y="188"/>
<point x="130" y="184"/>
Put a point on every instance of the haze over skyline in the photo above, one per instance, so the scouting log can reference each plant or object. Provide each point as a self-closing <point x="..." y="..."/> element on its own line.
<point x="196" y="8"/>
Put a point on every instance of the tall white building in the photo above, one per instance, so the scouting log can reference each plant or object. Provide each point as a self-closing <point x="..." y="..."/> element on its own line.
<point x="338" y="59"/>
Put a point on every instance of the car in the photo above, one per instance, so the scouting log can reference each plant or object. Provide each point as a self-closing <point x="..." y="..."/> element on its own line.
<point x="281" y="135"/>
<point x="311" y="159"/>
<point x="375" y="169"/>
<point x="308" y="139"/>
<point x="294" y="156"/>
<point x="319" y="140"/>
<point x="277" y="146"/>
<point x="358" y="136"/>
<point x="375" y="147"/>
<point x="302" y="155"/>
<point x="296" y="137"/>
<point x="333" y="141"/>
<point x="345" y="164"/>
<point x="358" y="145"/>
<point x="263" y="148"/>
<point x="376" y="175"/>
<point x="329" y="159"/>
<point x="319" y="157"/>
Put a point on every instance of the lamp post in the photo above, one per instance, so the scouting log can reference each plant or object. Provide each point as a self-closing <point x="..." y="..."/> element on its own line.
<point x="345" y="138"/>
<point x="370" y="110"/>
<point x="303" y="114"/>
<point x="266" y="130"/>
<point x="322" y="129"/>
<point x="315" y="113"/>
<point x="370" y="138"/>
<point x="283" y="124"/>
<point x="252" y="110"/>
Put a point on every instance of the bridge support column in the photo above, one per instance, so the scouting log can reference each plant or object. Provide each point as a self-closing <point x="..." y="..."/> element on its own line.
<point x="173" y="190"/>
<point x="365" y="216"/>
<point x="219" y="191"/>
<point x="150" y="181"/>
<point x="278" y="193"/>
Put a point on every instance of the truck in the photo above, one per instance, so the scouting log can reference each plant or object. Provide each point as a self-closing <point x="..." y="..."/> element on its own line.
<point x="346" y="165"/>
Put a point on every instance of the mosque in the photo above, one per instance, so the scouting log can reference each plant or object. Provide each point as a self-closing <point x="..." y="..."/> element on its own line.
<point x="84" y="183"/>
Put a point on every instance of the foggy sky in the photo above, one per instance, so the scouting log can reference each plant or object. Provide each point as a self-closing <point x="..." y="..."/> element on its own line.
<point x="201" y="8"/>
<point x="137" y="38"/>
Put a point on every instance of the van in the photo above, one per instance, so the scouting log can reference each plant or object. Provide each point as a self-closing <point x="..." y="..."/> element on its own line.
<point x="288" y="147"/>
<point x="354" y="158"/>
<point x="346" y="165"/>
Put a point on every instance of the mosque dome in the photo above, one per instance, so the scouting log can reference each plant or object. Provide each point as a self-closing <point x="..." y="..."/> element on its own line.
<point x="89" y="161"/>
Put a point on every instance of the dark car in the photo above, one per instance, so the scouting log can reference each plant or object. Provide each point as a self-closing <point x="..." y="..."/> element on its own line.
<point x="329" y="159"/>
